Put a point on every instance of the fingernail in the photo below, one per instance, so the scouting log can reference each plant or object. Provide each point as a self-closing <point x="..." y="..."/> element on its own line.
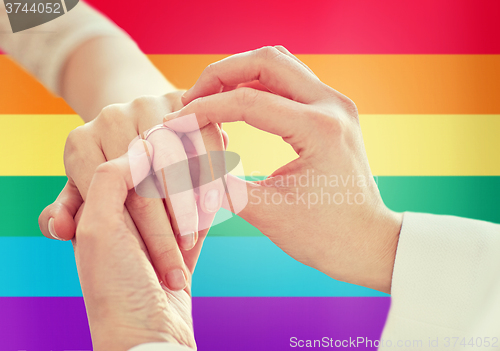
<point x="176" y="280"/>
<point x="212" y="200"/>
<point x="52" y="229"/>
<point x="170" y="117"/>
<point x="189" y="240"/>
<point x="186" y="93"/>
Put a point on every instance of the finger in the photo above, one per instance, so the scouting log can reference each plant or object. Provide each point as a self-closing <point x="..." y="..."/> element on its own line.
<point x="103" y="240"/>
<point x="209" y="146"/>
<point x="57" y="220"/>
<point x="81" y="163"/>
<point x="174" y="99"/>
<point x="113" y="179"/>
<point x="149" y="214"/>
<point x="104" y="207"/>
<point x="277" y="71"/>
<point x="288" y="53"/>
<point x="254" y="84"/>
<point x="156" y="231"/>
<point x="249" y="200"/>
<point x="265" y="111"/>
<point x="172" y="171"/>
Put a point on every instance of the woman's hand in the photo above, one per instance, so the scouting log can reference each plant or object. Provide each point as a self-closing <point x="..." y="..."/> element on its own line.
<point x="126" y="306"/>
<point x="106" y="138"/>
<point x="324" y="208"/>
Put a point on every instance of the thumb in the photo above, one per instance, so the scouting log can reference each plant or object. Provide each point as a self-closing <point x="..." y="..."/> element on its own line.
<point x="57" y="220"/>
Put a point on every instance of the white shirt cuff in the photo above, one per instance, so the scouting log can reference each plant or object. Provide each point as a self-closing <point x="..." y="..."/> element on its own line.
<point x="445" y="273"/>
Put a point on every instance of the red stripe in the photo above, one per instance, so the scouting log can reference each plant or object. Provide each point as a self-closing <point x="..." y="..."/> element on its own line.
<point x="310" y="27"/>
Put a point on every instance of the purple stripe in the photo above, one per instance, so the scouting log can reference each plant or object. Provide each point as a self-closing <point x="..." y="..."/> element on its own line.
<point x="221" y="323"/>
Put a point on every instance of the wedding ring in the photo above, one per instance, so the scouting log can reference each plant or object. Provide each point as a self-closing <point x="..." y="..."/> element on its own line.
<point x="148" y="132"/>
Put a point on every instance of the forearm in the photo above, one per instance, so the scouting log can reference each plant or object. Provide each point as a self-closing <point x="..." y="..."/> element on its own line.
<point x="108" y="70"/>
<point x="85" y="58"/>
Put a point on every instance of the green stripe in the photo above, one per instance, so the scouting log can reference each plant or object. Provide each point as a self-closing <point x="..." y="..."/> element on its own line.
<point x="23" y="198"/>
<point x="475" y="197"/>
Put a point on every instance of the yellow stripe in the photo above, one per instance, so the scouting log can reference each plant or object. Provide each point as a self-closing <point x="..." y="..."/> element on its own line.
<point x="440" y="145"/>
<point x="32" y="145"/>
<point x="397" y="145"/>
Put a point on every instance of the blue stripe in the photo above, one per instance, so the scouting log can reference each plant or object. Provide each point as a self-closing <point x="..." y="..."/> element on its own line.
<point x="228" y="266"/>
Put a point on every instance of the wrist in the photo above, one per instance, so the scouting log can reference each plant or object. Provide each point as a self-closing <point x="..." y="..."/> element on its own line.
<point x="385" y="230"/>
<point x="369" y="251"/>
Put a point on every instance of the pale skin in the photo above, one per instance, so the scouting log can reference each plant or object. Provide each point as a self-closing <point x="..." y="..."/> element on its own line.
<point x="103" y="81"/>
<point x="355" y="243"/>
<point x="126" y="306"/>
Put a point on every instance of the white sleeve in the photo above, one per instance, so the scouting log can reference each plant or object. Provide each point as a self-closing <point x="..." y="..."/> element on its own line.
<point x="160" y="346"/>
<point x="446" y="282"/>
<point x="43" y="50"/>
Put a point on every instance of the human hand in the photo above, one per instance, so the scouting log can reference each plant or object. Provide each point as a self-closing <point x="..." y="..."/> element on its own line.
<point x="106" y="138"/>
<point x="126" y="306"/>
<point x="335" y="219"/>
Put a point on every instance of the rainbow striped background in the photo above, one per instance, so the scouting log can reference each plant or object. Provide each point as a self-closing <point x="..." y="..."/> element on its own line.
<point x="426" y="79"/>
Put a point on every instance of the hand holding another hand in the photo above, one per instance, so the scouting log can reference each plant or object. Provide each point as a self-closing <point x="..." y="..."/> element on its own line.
<point x="126" y="305"/>
<point x="172" y="245"/>
<point x="323" y="209"/>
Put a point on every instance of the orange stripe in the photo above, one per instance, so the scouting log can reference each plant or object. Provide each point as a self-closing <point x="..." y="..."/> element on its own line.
<point x="379" y="84"/>
<point x="22" y="94"/>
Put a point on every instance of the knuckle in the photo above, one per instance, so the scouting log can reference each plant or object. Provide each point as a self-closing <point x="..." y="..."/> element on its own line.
<point x="200" y="104"/>
<point x="140" y="204"/>
<point x="107" y="168"/>
<point x="247" y="97"/>
<point x="143" y="100"/>
<point x="75" y="136"/>
<point x="350" y="107"/>
<point x="168" y="253"/>
<point x="110" y="115"/>
<point x="76" y="144"/>
<point x="87" y="230"/>
<point x="210" y="70"/>
<point x="281" y="48"/>
<point x="347" y="106"/>
<point x="144" y="103"/>
<point x="327" y="122"/>
<point x="91" y="231"/>
<point x="268" y="52"/>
